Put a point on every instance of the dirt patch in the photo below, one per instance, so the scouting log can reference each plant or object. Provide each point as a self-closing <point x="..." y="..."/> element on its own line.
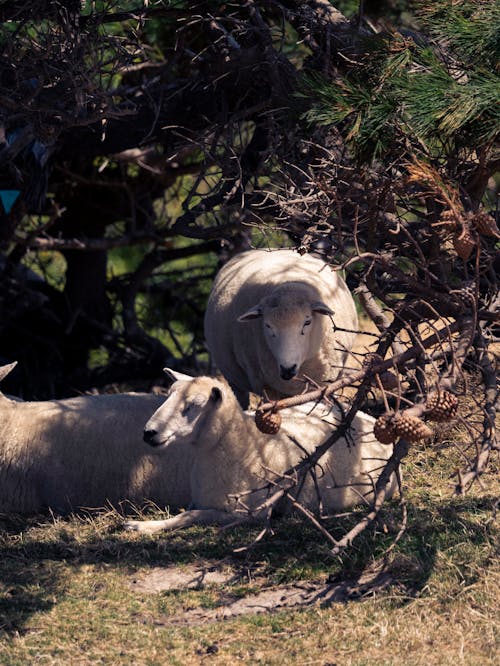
<point x="195" y="576"/>
<point x="267" y="601"/>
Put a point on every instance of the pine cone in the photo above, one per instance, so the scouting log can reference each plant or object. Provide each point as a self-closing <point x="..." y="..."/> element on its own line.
<point x="384" y="429"/>
<point x="485" y="224"/>
<point x="371" y="358"/>
<point x="268" y="422"/>
<point x="466" y="295"/>
<point x="411" y="427"/>
<point x="464" y="243"/>
<point x="441" y="406"/>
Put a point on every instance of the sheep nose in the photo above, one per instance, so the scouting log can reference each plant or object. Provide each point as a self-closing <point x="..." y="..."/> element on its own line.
<point x="149" y="435"/>
<point x="288" y="373"/>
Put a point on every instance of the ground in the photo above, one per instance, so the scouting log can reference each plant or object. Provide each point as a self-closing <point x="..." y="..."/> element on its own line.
<point x="80" y="590"/>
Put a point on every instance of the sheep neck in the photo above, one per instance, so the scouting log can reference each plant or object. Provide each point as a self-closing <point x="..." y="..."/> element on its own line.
<point x="230" y="435"/>
<point x="230" y="458"/>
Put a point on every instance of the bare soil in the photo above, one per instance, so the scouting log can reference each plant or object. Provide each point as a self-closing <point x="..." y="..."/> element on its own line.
<point x="298" y="595"/>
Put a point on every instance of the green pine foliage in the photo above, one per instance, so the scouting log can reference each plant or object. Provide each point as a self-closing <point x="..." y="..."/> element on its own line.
<point x="470" y="29"/>
<point x="439" y="95"/>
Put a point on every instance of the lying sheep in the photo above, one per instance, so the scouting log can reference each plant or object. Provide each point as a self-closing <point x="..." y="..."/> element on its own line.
<point x="84" y="452"/>
<point x="232" y="457"/>
<point x="272" y="316"/>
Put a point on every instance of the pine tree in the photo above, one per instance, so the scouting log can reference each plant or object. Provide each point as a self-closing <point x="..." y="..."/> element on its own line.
<point x="440" y="93"/>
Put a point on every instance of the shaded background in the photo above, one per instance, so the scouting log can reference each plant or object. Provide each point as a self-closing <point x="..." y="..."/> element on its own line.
<point x="148" y="143"/>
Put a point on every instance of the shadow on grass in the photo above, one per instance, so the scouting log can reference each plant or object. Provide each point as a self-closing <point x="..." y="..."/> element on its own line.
<point x="35" y="555"/>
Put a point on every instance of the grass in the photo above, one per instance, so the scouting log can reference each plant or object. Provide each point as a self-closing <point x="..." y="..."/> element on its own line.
<point x="66" y="592"/>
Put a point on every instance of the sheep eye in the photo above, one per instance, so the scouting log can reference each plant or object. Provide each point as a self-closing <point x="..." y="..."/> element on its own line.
<point x="306" y="323"/>
<point x="186" y="410"/>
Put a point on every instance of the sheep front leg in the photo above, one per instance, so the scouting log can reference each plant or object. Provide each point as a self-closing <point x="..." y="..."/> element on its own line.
<point x="186" y="519"/>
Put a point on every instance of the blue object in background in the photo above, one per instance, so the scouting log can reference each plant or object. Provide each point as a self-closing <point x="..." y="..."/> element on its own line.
<point x="9" y="198"/>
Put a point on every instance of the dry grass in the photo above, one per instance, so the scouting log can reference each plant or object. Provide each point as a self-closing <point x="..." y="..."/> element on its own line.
<point x="67" y="594"/>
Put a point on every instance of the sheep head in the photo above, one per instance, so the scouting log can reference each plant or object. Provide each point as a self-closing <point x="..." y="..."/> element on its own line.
<point x="291" y="326"/>
<point x="183" y="415"/>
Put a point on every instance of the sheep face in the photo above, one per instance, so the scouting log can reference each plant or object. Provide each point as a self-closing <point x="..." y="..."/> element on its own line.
<point x="182" y="416"/>
<point x="292" y="329"/>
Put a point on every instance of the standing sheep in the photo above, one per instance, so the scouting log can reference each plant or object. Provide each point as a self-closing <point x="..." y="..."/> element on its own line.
<point x="84" y="452"/>
<point x="273" y="316"/>
<point x="232" y="457"/>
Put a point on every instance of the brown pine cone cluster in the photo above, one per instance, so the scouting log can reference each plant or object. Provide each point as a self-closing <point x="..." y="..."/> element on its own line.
<point x="464" y="242"/>
<point x="441" y="406"/>
<point x="268" y="422"/>
<point x="390" y="427"/>
<point x="465" y="238"/>
<point x="465" y="227"/>
<point x="485" y="224"/>
<point x="384" y="429"/>
<point x="448" y="220"/>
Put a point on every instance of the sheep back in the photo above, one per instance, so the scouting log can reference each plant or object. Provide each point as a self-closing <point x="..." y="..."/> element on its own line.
<point x="235" y="457"/>
<point x="349" y="470"/>
<point x="85" y="452"/>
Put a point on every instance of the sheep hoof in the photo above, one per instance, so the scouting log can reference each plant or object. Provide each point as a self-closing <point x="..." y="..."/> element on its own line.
<point x="147" y="526"/>
<point x="135" y="526"/>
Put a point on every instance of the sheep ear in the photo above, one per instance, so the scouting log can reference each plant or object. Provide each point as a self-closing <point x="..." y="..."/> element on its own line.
<point x="5" y="369"/>
<point x="321" y="308"/>
<point x="216" y="394"/>
<point x="253" y="313"/>
<point x="177" y="376"/>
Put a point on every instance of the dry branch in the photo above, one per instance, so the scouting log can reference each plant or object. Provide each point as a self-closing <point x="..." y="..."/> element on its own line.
<point x="400" y="452"/>
<point x="291" y="479"/>
<point x="488" y="441"/>
<point x="352" y="377"/>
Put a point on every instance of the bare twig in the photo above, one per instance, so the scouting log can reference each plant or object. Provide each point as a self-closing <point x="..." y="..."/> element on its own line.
<point x="400" y="452"/>
<point x="359" y="375"/>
